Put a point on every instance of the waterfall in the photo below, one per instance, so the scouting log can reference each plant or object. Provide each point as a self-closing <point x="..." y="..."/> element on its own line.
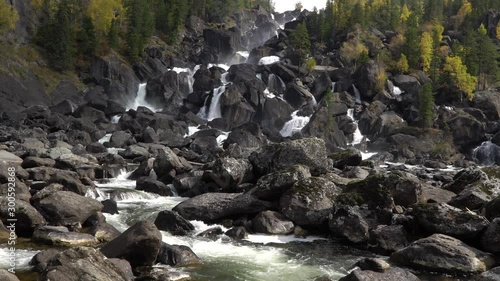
<point x="333" y="87"/>
<point x="276" y="84"/>
<point x="295" y="125"/>
<point x="140" y="99"/>
<point x="357" y="136"/>
<point x="115" y="119"/>
<point x="356" y="94"/>
<point x="487" y="154"/>
<point x="397" y="91"/>
<point x="213" y="111"/>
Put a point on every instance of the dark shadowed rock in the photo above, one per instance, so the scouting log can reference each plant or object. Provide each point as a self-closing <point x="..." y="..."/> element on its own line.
<point x="490" y="240"/>
<point x="28" y="218"/>
<point x="349" y="157"/>
<point x="388" y="238"/>
<point x="442" y="253"/>
<point x="40" y="260"/>
<point x="139" y="244"/>
<point x="237" y="232"/>
<point x="271" y="186"/>
<point x="173" y="223"/>
<point x="154" y="186"/>
<point x="214" y="206"/>
<point x="392" y="274"/>
<point x="178" y="256"/>
<point x="229" y="172"/>
<point x="490" y="275"/>
<point x="348" y="222"/>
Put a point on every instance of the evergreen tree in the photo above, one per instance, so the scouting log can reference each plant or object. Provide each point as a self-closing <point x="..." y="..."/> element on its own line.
<point x="426" y="51"/>
<point x="87" y="41"/>
<point x="412" y="39"/>
<point x="8" y="17"/>
<point x="487" y="55"/>
<point x="113" y="37"/>
<point x="300" y="42"/>
<point x="426" y="101"/>
<point x="140" y="28"/>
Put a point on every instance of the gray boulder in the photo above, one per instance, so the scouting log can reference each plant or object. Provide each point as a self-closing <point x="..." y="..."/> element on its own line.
<point x="178" y="256"/>
<point x="28" y="218"/>
<point x="490" y="240"/>
<point x="60" y="236"/>
<point x="173" y="223"/>
<point x="271" y="222"/>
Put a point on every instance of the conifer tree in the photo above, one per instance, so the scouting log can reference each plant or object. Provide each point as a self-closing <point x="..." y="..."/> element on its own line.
<point x="300" y="42"/>
<point x="426" y="109"/>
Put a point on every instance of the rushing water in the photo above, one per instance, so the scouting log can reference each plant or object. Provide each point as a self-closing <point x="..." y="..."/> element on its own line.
<point x="295" y="125"/>
<point x="140" y="99"/>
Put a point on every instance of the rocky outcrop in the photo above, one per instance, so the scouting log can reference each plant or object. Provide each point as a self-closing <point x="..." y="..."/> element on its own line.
<point x="441" y="253"/>
<point x="223" y="44"/>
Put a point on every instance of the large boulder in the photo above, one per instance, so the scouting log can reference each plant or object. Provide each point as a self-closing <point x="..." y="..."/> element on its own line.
<point x="309" y="201"/>
<point x="310" y="152"/>
<point x="223" y="43"/>
<point x="214" y="206"/>
<point x="139" y="244"/>
<point x="349" y="222"/>
<point x="177" y="255"/>
<point x="82" y="264"/>
<point x="442" y="253"/>
<point x="234" y="108"/>
<point x="67" y="208"/>
<point x="271" y="222"/>
<point x="28" y="218"/>
<point x="271" y="186"/>
<point x="489" y="102"/>
<point x="228" y="172"/>
<point x="392" y="274"/>
<point x="5" y="275"/>
<point x="298" y="96"/>
<point x="407" y="83"/>
<point x="154" y="186"/>
<point x="445" y="219"/>
<point x="167" y="161"/>
<point x="60" y="236"/>
<point x="172" y="222"/>
<point x="490" y="240"/>
<point x="490" y="275"/>
<point x="324" y="124"/>
<point x="164" y="92"/>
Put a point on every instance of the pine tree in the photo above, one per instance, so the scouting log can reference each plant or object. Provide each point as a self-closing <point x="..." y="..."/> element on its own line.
<point x="426" y="101"/>
<point x="140" y="28"/>
<point x="300" y="43"/>
<point x="487" y="58"/>
<point x="412" y="39"/>
<point x="87" y="41"/>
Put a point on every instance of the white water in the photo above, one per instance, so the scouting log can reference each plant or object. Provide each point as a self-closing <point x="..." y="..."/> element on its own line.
<point x="269" y="60"/>
<point x="295" y="125"/>
<point x="356" y="94"/>
<point x="397" y="91"/>
<point x="140" y="99"/>
<point x="214" y="110"/>
<point x="268" y="94"/>
<point x="192" y="130"/>
<point x="222" y="137"/>
<point x="333" y="87"/>
<point x="22" y="256"/>
<point x="115" y="119"/>
<point x="357" y="136"/>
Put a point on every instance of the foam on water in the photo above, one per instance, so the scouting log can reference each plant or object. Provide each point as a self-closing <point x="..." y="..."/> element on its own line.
<point x="269" y="60"/>
<point x="280" y="239"/>
<point x="23" y="257"/>
<point x="221" y="138"/>
<point x="397" y="91"/>
<point x="115" y="119"/>
<point x="104" y="139"/>
<point x="367" y="155"/>
<point x="140" y="99"/>
<point x="192" y="130"/>
<point x="357" y="136"/>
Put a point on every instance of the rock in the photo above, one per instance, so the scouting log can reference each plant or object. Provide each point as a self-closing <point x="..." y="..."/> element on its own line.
<point x="9" y="158"/>
<point x="309" y="201"/>
<point x="134" y="151"/>
<point x="28" y="218"/>
<point x="237" y="232"/>
<point x="490" y="275"/>
<point x="372" y="191"/>
<point x="40" y="260"/>
<point x="173" y="223"/>
<point x="109" y="207"/>
<point x="488" y="102"/>
<point x="7" y="276"/>
<point x="248" y="136"/>
<point x="275" y="113"/>
<point x="492" y="209"/>
<point x="445" y="219"/>
<point x="150" y="136"/>
<point x="104" y="232"/>
<point x="490" y="240"/>
<point x="271" y="222"/>
<point x="464" y="178"/>
<point x="388" y="238"/>
<point x="149" y="185"/>
<point x="348" y="222"/>
<point x="407" y="83"/>
<point x="271" y="186"/>
<point x="442" y="253"/>
<point x="392" y="274"/>
<point x="310" y="152"/>
<point x="22" y="192"/>
<point x="466" y="129"/>
<point x="236" y="110"/>
<point x="60" y="236"/>
<point x="224" y="43"/>
<point x="212" y="233"/>
<point x="213" y="206"/>
<point x="139" y="244"/>
<point x="373" y="264"/>
<point x="349" y="157"/>
<point x="68" y="208"/>
<point x="120" y="139"/>
<point x="167" y="160"/>
<point x="163" y="92"/>
<point x="228" y="172"/>
<point x="178" y="256"/>
<point x="32" y="162"/>
<point x="320" y="86"/>
<point x="82" y="264"/>
<point x="298" y="96"/>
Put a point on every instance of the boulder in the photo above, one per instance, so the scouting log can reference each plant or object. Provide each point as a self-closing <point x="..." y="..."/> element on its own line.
<point x="82" y="264"/>
<point x="28" y="218"/>
<point x="32" y="162"/>
<point x="213" y="206"/>
<point x="492" y="209"/>
<point x="40" y="260"/>
<point x="310" y="152"/>
<point x="349" y="222"/>
<point x="150" y="185"/>
<point x="392" y="274"/>
<point x="490" y="275"/>
<point x="104" y="232"/>
<point x="388" y="238"/>
<point x="442" y="253"/>
<point x="237" y="232"/>
<point x="490" y="239"/>
<point x="271" y="186"/>
<point x="228" y="172"/>
<point x="167" y="161"/>
<point x="349" y="157"/>
<point x="173" y="223"/>
<point x="445" y="219"/>
<point x="223" y="43"/>
<point x="139" y="244"/>
<point x="488" y="102"/>
<point x="235" y="109"/>
<point x="309" y="201"/>
<point x="178" y="256"/>
<point x="60" y="236"/>
<point x="324" y="124"/>
<point x="120" y="139"/>
<point x="134" y="151"/>
<point x="68" y="208"/>
<point x="407" y="83"/>
<point x="298" y="96"/>
<point x="271" y="222"/>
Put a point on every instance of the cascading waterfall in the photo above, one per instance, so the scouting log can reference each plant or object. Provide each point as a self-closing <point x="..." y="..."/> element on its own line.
<point x="296" y="124"/>
<point x="356" y="94"/>
<point x="333" y="87"/>
<point x="214" y="110"/>
<point x="397" y="91"/>
<point x="275" y="84"/>
<point x="357" y="136"/>
<point x="140" y="99"/>
<point x="487" y="154"/>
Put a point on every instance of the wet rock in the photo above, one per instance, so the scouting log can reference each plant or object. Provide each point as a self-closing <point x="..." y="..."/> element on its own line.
<point x="392" y="274"/>
<point x="373" y="264"/>
<point x="40" y="260"/>
<point x="237" y="232"/>
<point x="211" y="233"/>
<point x="173" y="223"/>
<point x="271" y="186"/>
<point x="298" y="96"/>
<point x="388" y="238"/>
<point x="349" y="157"/>
<point x="60" y="235"/>
<point x="490" y="240"/>
<point x="178" y="256"/>
<point x="490" y="275"/>
<point x="109" y="207"/>
<point x="442" y="253"/>
<point x="149" y="185"/>
<point x="82" y="264"/>
<point x="445" y="219"/>
<point x="213" y="206"/>
<point x="104" y="232"/>
<point x="229" y="172"/>
<point x="68" y="208"/>
<point x="139" y="244"/>
<point x="309" y="201"/>
<point x="271" y="222"/>
<point x="324" y="124"/>
<point x="310" y="152"/>
<point x="28" y="218"/>
<point x="348" y="222"/>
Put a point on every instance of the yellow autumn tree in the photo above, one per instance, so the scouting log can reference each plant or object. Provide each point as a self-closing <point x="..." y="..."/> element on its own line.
<point x="498" y="31"/>
<point x="402" y="64"/>
<point x="103" y="12"/>
<point x="8" y="17"/>
<point x="456" y="72"/>
<point x="405" y="13"/>
<point x="426" y="51"/>
<point x="352" y="50"/>
<point x="464" y="10"/>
